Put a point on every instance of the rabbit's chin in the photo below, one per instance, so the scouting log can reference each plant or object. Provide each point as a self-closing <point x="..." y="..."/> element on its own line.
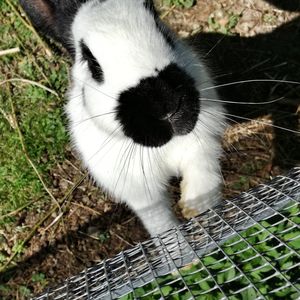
<point x="149" y="132"/>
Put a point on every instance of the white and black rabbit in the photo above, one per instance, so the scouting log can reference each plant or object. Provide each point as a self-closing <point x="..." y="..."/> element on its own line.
<point x="134" y="105"/>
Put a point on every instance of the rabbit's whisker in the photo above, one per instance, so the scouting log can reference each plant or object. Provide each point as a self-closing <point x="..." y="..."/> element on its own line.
<point x="229" y="125"/>
<point x="250" y="81"/>
<point x="93" y="87"/>
<point x="128" y="163"/>
<point x="126" y="154"/>
<point x="243" y="102"/>
<point x="106" y="142"/>
<point x="94" y="117"/>
<point x="148" y="190"/>
<point x="227" y="115"/>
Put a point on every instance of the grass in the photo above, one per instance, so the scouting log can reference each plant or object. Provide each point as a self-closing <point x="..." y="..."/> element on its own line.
<point x="38" y="114"/>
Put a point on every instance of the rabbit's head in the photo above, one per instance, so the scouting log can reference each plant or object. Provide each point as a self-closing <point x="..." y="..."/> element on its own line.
<point x="133" y="68"/>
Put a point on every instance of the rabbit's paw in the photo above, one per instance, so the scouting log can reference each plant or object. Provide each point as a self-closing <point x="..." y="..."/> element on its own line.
<point x="198" y="196"/>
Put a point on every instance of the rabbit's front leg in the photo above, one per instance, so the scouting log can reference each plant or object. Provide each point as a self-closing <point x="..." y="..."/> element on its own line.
<point x="157" y="217"/>
<point x="201" y="184"/>
<point x="156" y="213"/>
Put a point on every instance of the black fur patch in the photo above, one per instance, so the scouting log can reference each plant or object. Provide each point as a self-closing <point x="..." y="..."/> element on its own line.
<point x="93" y="64"/>
<point x="167" y="34"/>
<point x="149" y="5"/>
<point x="159" y="107"/>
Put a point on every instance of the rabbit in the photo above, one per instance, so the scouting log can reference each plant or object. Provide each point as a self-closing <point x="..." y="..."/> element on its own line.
<point x="134" y="105"/>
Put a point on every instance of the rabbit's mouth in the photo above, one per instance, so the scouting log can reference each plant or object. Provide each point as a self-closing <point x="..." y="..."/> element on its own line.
<point x="151" y="132"/>
<point x="159" y="107"/>
<point x="183" y="122"/>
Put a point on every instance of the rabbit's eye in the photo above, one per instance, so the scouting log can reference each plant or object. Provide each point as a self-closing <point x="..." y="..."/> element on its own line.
<point x="93" y="65"/>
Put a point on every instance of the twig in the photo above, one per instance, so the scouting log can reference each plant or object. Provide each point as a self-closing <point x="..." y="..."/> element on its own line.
<point x="58" y="203"/>
<point x="35" y="228"/>
<point x="28" y="238"/>
<point x="119" y="237"/>
<point x="167" y="12"/>
<point x="72" y="165"/>
<point x="55" y="221"/>
<point x="26" y="153"/>
<point x="8" y="118"/>
<point x="128" y="221"/>
<point x="12" y="213"/>
<point x="89" y="236"/>
<point x="23" y="80"/>
<point x="32" y="57"/>
<point x="87" y="208"/>
<point x="9" y="51"/>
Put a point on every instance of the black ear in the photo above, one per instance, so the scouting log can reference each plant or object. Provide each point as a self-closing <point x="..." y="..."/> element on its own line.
<point x="53" y="18"/>
<point x="150" y="6"/>
<point x="42" y="15"/>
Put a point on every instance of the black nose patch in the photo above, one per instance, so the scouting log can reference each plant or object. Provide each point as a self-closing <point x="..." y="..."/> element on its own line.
<point x="159" y="107"/>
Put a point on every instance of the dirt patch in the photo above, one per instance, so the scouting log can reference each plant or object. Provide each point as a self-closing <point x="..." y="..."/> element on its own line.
<point x="244" y="40"/>
<point x="250" y="17"/>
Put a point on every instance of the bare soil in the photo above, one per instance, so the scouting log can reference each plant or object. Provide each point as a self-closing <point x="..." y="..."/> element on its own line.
<point x="262" y="42"/>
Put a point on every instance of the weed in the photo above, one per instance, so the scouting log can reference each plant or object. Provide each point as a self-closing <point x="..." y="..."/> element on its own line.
<point x="224" y="28"/>
<point x="269" y="18"/>
<point x="39" y="278"/>
<point x="24" y="291"/>
<point x="103" y="237"/>
<point x="180" y="3"/>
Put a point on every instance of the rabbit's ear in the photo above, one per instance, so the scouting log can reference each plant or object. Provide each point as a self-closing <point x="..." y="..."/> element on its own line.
<point x="42" y="14"/>
<point x="150" y="6"/>
<point x="53" y="18"/>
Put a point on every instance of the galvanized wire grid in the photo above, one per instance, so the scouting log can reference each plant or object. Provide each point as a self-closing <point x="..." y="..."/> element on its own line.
<point x="246" y="248"/>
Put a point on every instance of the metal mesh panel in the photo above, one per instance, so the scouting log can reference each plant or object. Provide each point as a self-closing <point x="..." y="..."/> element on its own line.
<point x="246" y="248"/>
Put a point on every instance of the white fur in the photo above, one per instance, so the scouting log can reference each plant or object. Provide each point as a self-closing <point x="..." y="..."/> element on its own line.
<point x="124" y="38"/>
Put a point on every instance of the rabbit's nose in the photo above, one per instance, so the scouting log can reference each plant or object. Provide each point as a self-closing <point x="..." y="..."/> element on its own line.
<point x="176" y="106"/>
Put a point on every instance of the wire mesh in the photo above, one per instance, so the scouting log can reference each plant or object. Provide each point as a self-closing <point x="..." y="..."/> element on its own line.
<point x="246" y="248"/>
